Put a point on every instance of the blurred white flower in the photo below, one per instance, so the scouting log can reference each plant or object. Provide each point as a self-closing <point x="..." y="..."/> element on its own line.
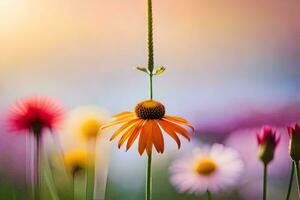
<point x="211" y="169"/>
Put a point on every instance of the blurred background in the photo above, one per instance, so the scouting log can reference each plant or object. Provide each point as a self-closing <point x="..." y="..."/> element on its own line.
<point x="232" y="66"/>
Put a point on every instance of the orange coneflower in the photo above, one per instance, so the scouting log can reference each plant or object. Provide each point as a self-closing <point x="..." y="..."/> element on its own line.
<point x="148" y="122"/>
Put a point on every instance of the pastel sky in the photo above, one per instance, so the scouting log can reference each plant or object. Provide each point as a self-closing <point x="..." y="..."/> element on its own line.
<point x="218" y="54"/>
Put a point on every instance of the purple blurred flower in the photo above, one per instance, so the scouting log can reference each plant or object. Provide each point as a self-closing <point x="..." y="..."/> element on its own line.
<point x="245" y="116"/>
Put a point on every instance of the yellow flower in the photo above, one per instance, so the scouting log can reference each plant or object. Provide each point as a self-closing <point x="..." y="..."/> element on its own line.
<point x="90" y="128"/>
<point x="77" y="160"/>
<point x="148" y="121"/>
<point x="85" y="122"/>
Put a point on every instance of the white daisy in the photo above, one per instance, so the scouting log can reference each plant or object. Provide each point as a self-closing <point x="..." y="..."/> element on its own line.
<point x="210" y="169"/>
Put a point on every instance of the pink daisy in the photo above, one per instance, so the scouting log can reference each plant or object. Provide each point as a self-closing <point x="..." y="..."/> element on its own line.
<point x="35" y="114"/>
<point x="207" y="169"/>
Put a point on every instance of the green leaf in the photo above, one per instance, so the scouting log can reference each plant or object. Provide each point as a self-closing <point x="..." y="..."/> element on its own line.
<point x="143" y="69"/>
<point x="160" y="70"/>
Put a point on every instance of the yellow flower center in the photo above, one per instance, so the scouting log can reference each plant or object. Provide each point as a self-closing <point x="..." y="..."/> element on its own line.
<point x="150" y="109"/>
<point x="76" y="160"/>
<point x="206" y="167"/>
<point x="90" y="128"/>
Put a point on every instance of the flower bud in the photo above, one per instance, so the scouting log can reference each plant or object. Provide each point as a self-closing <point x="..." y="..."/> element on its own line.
<point x="267" y="143"/>
<point x="294" y="145"/>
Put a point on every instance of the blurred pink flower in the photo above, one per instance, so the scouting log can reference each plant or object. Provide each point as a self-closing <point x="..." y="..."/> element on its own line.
<point x="267" y="135"/>
<point x="294" y="145"/>
<point x="211" y="169"/>
<point x="245" y="142"/>
<point x="294" y="129"/>
<point x="267" y="142"/>
<point x="35" y="114"/>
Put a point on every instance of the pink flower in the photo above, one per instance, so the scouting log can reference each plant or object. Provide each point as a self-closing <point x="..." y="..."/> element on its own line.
<point x="35" y="114"/>
<point x="295" y="129"/>
<point x="267" y="143"/>
<point x="294" y="146"/>
<point x="268" y="135"/>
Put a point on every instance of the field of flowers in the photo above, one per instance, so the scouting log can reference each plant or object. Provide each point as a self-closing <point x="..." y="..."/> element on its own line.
<point x="154" y="100"/>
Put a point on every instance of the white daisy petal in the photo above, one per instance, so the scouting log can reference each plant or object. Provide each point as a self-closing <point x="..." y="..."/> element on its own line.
<point x="220" y="168"/>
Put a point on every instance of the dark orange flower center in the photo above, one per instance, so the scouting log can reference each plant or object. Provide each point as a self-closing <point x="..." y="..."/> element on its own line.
<point x="150" y="109"/>
<point x="205" y="167"/>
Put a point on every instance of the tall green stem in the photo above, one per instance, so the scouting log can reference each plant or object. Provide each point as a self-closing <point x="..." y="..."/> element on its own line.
<point x="91" y="170"/>
<point x="298" y="175"/>
<point x="150" y="68"/>
<point x="209" y="196"/>
<point x="265" y="182"/>
<point x="149" y="178"/>
<point x="290" y="182"/>
<point x="37" y="140"/>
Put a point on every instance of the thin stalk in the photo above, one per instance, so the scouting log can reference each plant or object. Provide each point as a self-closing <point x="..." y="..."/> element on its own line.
<point x="209" y="195"/>
<point x="73" y="185"/>
<point x="28" y="158"/>
<point x="91" y="171"/>
<point x="37" y="167"/>
<point x="59" y="148"/>
<point x="298" y="175"/>
<point x="50" y="183"/>
<point x="290" y="182"/>
<point x="149" y="178"/>
<point x="151" y="87"/>
<point x="265" y="182"/>
<point x="150" y="68"/>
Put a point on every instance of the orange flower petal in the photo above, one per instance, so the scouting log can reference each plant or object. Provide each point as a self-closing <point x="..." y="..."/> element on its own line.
<point x="149" y="145"/>
<point x="179" y="120"/>
<point x="176" y="128"/>
<point x="123" y="127"/>
<point x="134" y="136"/>
<point x="129" y="132"/>
<point x="116" y="122"/>
<point x="122" y="114"/>
<point x="157" y="137"/>
<point x="171" y="133"/>
<point x="125" y="117"/>
<point x="143" y="140"/>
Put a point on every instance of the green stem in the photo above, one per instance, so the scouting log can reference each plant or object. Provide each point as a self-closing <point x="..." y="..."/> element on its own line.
<point x="298" y="175"/>
<point x="91" y="171"/>
<point x="151" y="86"/>
<point x="209" y="196"/>
<point x="150" y="68"/>
<point x="290" y="182"/>
<point x="37" y="166"/>
<point x="73" y="185"/>
<point x="50" y="183"/>
<point x="149" y="178"/>
<point x="265" y="182"/>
